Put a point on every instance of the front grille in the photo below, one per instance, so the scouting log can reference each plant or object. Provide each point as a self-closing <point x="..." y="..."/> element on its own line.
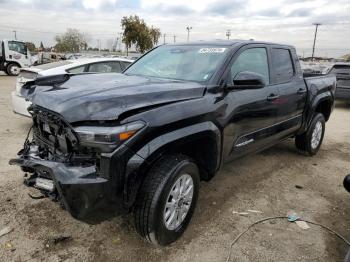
<point x="52" y="133"/>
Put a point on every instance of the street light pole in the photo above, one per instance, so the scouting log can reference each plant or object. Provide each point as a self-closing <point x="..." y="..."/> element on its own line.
<point x="188" y="28"/>
<point x="164" y="39"/>
<point x="174" y="38"/>
<point x="228" y="34"/>
<point x="313" y="47"/>
<point x="15" y="34"/>
<point x="121" y="41"/>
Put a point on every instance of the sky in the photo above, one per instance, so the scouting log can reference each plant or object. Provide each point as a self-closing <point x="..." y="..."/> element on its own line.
<point x="281" y="21"/>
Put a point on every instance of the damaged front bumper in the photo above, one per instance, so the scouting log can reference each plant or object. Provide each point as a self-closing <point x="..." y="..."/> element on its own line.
<point x="80" y="189"/>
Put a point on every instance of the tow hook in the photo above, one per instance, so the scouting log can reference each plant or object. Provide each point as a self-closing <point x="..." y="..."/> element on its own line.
<point x="45" y="186"/>
<point x="29" y="182"/>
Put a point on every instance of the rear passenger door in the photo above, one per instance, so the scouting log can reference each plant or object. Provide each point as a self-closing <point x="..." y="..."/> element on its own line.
<point x="292" y="89"/>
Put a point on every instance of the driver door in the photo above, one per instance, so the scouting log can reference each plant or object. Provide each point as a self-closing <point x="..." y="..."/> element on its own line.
<point x="251" y="113"/>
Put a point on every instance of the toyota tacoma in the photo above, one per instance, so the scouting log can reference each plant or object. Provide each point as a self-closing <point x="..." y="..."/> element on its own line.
<point x="142" y="141"/>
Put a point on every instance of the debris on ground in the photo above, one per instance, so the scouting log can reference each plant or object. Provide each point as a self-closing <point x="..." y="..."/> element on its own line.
<point x="5" y="231"/>
<point x="240" y="213"/>
<point x="292" y="216"/>
<point x="302" y="224"/>
<point x="116" y="240"/>
<point x="299" y="187"/>
<point x="254" y="211"/>
<point x="247" y="212"/>
<point x="57" y="239"/>
<point x="61" y="238"/>
<point x="10" y="246"/>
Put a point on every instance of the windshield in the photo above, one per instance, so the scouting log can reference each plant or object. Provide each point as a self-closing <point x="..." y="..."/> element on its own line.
<point x="192" y="63"/>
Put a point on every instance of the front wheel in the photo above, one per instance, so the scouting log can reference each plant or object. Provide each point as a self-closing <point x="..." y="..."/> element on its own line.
<point x="167" y="199"/>
<point x="310" y="141"/>
<point x="13" y="69"/>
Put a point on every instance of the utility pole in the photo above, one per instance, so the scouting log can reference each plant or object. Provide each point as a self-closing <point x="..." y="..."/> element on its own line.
<point x="174" y="39"/>
<point x="313" y="48"/>
<point x="188" y="28"/>
<point x="164" y="39"/>
<point x="15" y="34"/>
<point x="99" y="45"/>
<point x="228" y="34"/>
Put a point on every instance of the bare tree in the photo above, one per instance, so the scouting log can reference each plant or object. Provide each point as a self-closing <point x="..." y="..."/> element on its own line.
<point x="71" y="41"/>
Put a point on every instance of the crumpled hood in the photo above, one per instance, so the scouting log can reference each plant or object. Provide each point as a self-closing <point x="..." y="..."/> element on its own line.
<point x="107" y="96"/>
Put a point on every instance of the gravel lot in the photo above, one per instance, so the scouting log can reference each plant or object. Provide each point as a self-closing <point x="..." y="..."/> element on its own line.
<point x="264" y="182"/>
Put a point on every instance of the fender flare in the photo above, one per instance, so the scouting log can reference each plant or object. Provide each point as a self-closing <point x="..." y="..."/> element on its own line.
<point x="312" y="108"/>
<point x="133" y="172"/>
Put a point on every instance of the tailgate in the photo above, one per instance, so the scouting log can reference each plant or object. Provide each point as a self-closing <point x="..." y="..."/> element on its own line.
<point x="343" y="81"/>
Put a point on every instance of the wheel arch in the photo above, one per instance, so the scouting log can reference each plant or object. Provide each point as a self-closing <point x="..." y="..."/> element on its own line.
<point x="322" y="103"/>
<point x="201" y="142"/>
<point x="324" y="107"/>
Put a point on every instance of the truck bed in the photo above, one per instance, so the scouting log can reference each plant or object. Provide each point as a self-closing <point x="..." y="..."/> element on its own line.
<point x="319" y="83"/>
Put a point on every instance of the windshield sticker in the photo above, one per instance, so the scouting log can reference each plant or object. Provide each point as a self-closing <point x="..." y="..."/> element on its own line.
<point x="211" y="50"/>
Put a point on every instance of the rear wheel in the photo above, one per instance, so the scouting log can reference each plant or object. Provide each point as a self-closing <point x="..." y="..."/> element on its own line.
<point x="167" y="199"/>
<point x="13" y="69"/>
<point x="310" y="141"/>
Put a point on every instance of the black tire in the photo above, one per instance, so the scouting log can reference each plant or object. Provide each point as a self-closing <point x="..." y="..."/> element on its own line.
<point x="154" y="193"/>
<point x="304" y="141"/>
<point x="10" y="69"/>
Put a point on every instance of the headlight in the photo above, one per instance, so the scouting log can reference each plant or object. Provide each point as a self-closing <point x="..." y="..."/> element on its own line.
<point x="106" y="138"/>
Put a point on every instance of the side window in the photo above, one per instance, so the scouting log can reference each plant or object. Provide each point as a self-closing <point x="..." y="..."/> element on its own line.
<point x="115" y="67"/>
<point x="99" y="68"/>
<point x="253" y="60"/>
<point x="105" y="67"/>
<point x="17" y="47"/>
<point x="76" y="70"/>
<point x="283" y="70"/>
<point x="125" y="64"/>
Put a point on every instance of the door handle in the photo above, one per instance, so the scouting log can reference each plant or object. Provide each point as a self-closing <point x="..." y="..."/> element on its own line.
<point x="272" y="97"/>
<point x="301" y="91"/>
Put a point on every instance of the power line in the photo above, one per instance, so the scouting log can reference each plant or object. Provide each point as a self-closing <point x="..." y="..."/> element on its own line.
<point x="27" y="30"/>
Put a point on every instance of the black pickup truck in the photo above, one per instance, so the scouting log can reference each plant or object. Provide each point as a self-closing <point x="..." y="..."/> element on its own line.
<point x="143" y="140"/>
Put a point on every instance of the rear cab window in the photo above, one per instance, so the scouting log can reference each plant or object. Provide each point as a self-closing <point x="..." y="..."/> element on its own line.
<point x="282" y="65"/>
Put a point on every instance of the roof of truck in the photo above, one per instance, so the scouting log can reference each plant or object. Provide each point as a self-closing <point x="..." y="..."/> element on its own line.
<point x="229" y="43"/>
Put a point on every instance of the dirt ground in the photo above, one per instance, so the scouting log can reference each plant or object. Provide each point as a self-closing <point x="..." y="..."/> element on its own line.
<point x="265" y="182"/>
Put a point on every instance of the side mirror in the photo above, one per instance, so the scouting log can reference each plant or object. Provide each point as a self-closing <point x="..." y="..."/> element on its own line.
<point x="248" y="80"/>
